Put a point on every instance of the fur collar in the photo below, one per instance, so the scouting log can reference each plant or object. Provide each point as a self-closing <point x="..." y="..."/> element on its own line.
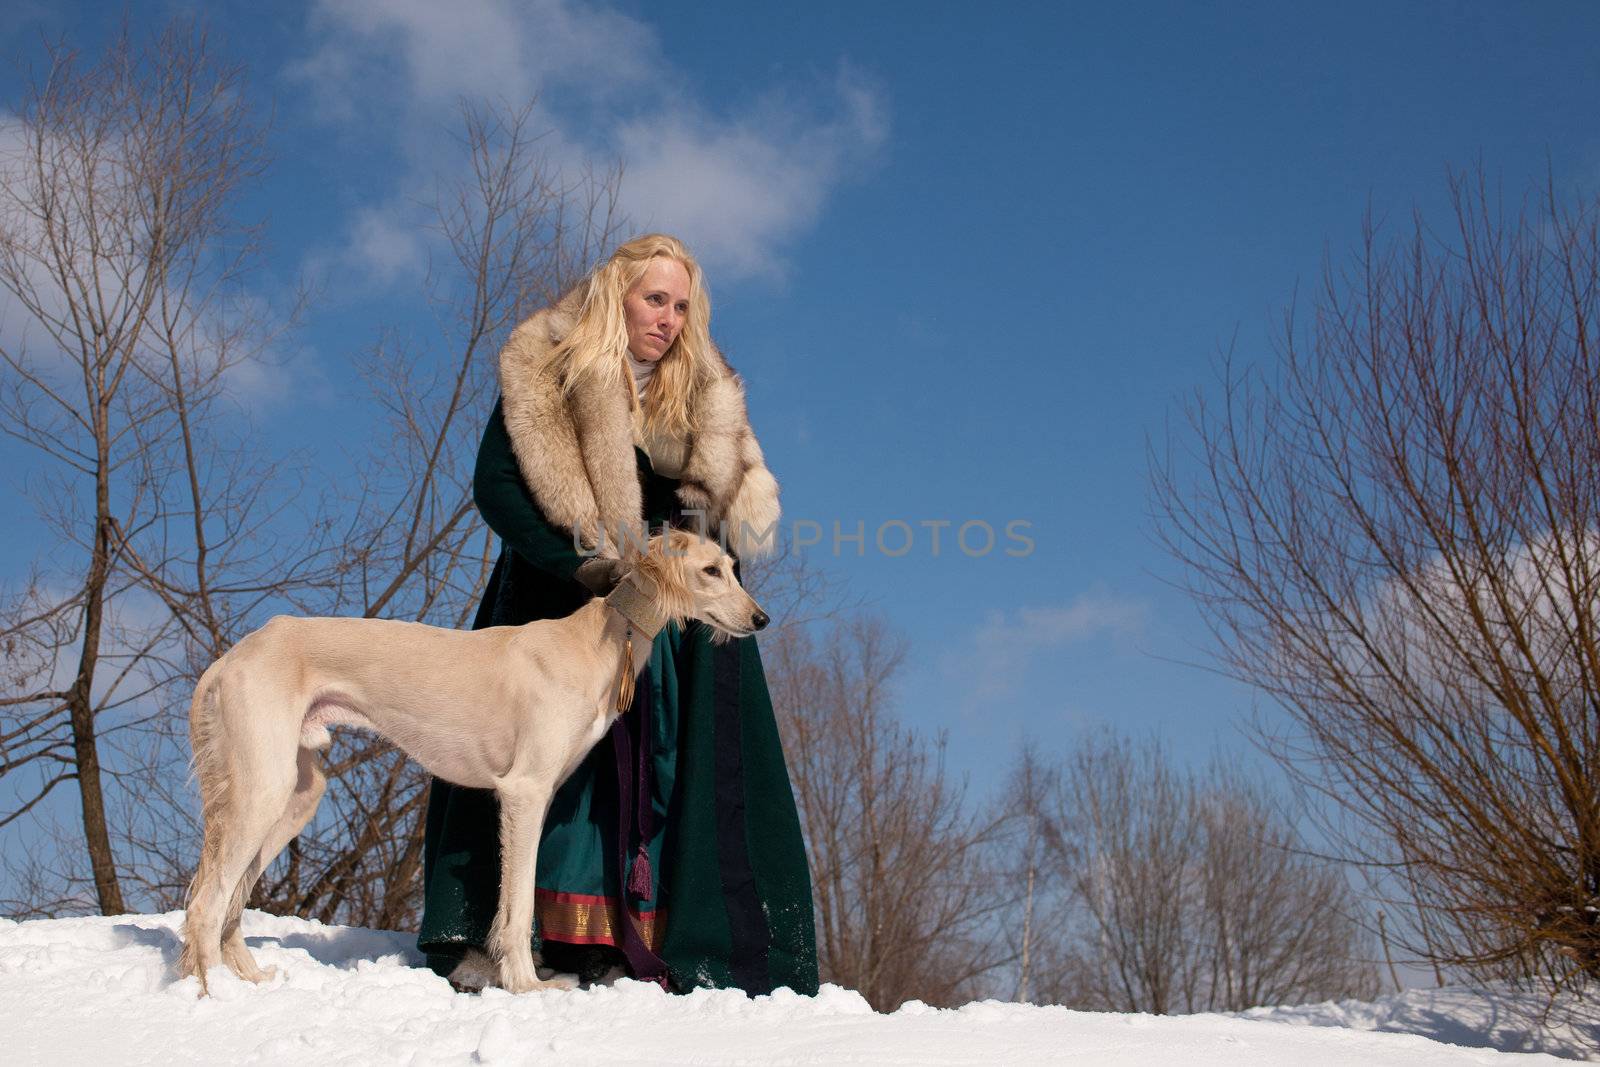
<point x="576" y="453"/>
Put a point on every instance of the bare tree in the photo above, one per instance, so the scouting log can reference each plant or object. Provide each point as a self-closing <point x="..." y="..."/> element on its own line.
<point x="1126" y="849"/>
<point x="124" y="267"/>
<point x="1044" y="905"/>
<point x="794" y="592"/>
<point x="512" y="233"/>
<point x="1180" y="892"/>
<point x="1396" y="535"/>
<point x="120" y="270"/>
<point x="900" y="871"/>
<point x="1278" y="925"/>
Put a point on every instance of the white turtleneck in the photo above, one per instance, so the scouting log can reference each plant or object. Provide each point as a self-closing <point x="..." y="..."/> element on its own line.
<point x="667" y="453"/>
<point x="643" y="371"/>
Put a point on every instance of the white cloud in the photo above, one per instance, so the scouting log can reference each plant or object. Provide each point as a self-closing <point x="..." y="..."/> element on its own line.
<point x="28" y="256"/>
<point x="1440" y="632"/>
<point x="1008" y="643"/>
<point x="43" y="653"/>
<point x="215" y="327"/>
<point x="736" y="190"/>
<point x="488" y="48"/>
<point x="386" y="243"/>
<point x="443" y="49"/>
<point x="263" y="366"/>
<point x="736" y="185"/>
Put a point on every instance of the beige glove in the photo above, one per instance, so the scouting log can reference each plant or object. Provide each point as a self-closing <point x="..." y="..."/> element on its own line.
<point x="601" y="574"/>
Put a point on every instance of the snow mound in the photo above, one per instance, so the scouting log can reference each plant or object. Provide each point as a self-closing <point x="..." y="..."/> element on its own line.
<point x="1506" y="1019"/>
<point x="101" y="990"/>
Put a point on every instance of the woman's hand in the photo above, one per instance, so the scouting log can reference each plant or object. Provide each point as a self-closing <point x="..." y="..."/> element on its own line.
<point x="600" y="575"/>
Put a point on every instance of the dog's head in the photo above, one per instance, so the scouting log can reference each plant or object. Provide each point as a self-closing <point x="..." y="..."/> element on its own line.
<point x="693" y="579"/>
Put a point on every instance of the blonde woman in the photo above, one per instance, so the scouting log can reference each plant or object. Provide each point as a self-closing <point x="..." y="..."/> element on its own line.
<point x="674" y="852"/>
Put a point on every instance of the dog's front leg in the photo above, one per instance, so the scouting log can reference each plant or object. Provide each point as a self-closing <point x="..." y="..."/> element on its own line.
<point x="522" y="809"/>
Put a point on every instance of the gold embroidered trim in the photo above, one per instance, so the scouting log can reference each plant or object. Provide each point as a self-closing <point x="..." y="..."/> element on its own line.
<point x="583" y="919"/>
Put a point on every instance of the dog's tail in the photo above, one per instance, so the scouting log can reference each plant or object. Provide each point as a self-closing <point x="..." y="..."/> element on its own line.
<point x="206" y="762"/>
<point x="206" y="767"/>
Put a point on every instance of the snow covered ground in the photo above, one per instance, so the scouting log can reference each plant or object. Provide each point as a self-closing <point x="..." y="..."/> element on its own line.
<point x="100" y="990"/>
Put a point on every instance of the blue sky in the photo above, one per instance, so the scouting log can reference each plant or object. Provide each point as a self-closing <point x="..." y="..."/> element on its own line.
<point x="969" y="258"/>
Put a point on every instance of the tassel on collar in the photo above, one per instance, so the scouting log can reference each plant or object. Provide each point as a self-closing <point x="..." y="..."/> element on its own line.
<point x="631" y="600"/>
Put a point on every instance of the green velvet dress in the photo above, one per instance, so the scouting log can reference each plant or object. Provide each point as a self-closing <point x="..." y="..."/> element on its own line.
<point x="730" y="894"/>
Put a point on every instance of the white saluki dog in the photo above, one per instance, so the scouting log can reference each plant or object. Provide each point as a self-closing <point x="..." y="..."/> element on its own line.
<point x="509" y="708"/>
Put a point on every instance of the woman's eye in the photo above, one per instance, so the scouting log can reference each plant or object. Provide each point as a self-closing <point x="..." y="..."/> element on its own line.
<point x="654" y="298"/>
<point x="683" y="309"/>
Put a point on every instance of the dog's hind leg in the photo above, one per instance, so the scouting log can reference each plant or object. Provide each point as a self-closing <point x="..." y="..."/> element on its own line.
<point x="202" y="925"/>
<point x="211" y="901"/>
<point x="249" y="776"/>
<point x="203" y="913"/>
<point x="523" y="804"/>
<point x="309" y="785"/>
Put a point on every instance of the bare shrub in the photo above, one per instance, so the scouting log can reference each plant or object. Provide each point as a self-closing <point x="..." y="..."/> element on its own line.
<point x="1166" y="891"/>
<point x="901" y="876"/>
<point x="1395" y="533"/>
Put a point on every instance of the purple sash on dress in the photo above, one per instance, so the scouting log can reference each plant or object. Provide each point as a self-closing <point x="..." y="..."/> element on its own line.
<point x="636" y="823"/>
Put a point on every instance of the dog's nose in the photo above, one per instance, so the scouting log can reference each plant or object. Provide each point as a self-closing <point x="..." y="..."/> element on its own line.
<point x="759" y="620"/>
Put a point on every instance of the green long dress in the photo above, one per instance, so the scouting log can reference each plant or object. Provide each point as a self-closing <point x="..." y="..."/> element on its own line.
<point x="730" y="900"/>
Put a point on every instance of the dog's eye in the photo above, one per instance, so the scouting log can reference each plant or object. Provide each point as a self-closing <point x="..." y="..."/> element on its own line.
<point x="713" y="570"/>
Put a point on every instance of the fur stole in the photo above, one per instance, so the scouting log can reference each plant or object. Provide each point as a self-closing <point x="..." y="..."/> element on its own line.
<point x="576" y="452"/>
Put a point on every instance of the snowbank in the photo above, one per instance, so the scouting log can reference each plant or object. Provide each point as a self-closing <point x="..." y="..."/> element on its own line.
<point x="100" y="990"/>
<point x="1508" y="1020"/>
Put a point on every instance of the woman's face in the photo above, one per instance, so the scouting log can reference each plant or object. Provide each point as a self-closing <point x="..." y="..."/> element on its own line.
<point x="655" y="308"/>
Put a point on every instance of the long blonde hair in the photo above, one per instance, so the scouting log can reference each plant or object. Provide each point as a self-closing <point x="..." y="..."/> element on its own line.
<point x="597" y="346"/>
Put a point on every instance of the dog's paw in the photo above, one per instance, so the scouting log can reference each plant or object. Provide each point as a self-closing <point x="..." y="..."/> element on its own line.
<point x="516" y="979"/>
<point x="474" y="973"/>
<point x="243" y="965"/>
<point x="260" y="974"/>
<point x="559" y="980"/>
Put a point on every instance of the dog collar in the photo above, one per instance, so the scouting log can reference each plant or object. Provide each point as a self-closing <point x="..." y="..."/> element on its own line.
<point x="630" y="600"/>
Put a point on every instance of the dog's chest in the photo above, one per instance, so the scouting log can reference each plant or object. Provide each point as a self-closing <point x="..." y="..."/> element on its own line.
<point x="598" y="727"/>
<point x="593" y="732"/>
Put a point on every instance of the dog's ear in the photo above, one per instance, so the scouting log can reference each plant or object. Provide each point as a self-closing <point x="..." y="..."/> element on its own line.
<point x="634" y="546"/>
<point x="665" y="567"/>
<point x="677" y="600"/>
<point x="681" y="542"/>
